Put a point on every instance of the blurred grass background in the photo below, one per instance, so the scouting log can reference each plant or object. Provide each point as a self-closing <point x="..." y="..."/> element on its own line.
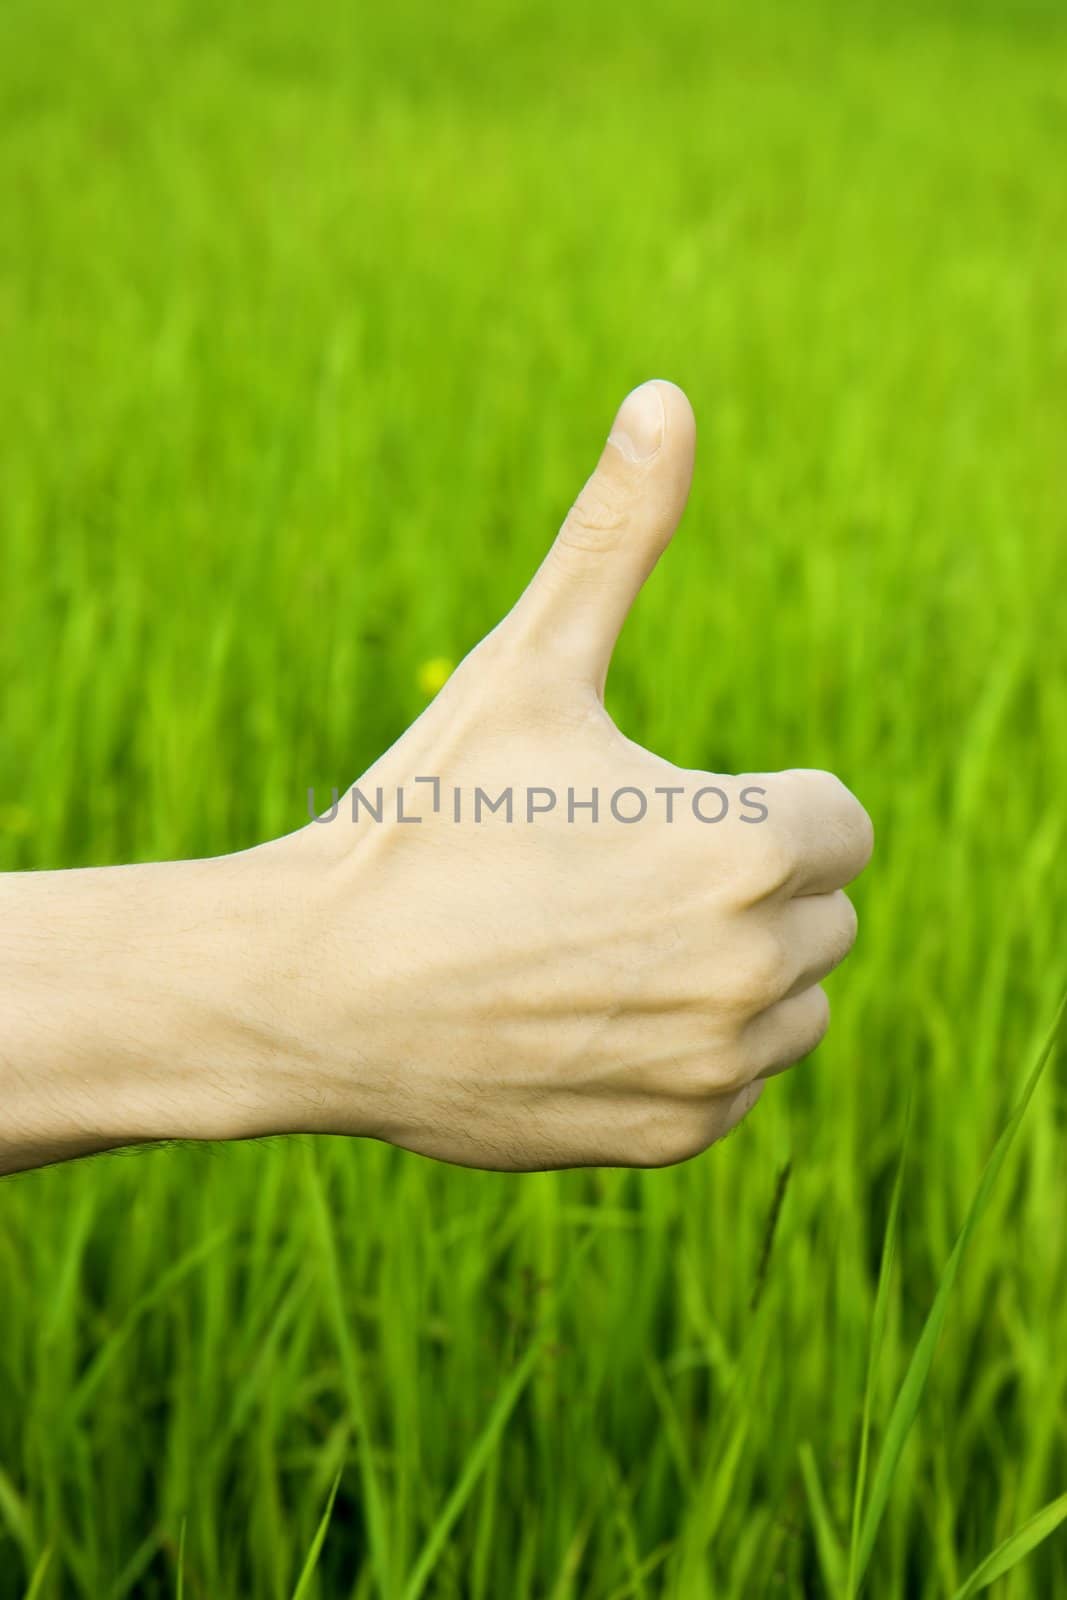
<point x="313" y="319"/>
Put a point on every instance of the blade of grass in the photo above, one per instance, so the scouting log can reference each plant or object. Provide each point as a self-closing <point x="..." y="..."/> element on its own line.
<point x="831" y="1556"/>
<point x="1015" y="1547"/>
<point x="654" y="1559"/>
<point x="878" y="1321"/>
<point x="34" y="1590"/>
<point x="572" y="1560"/>
<point x="129" y="1578"/>
<point x="780" y="1187"/>
<point x="906" y="1406"/>
<point x="15" y="1513"/>
<point x="479" y="1454"/>
<point x="181" y="1561"/>
<point x="374" y="1504"/>
<point x="315" y="1550"/>
<point x="109" y="1351"/>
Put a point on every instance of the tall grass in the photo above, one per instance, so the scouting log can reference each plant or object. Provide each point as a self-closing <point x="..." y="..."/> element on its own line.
<point x="313" y="319"/>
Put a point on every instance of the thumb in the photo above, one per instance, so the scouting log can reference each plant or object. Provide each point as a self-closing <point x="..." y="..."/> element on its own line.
<point x="614" y="533"/>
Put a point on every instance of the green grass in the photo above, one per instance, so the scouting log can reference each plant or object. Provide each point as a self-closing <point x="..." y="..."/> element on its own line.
<point x="312" y="320"/>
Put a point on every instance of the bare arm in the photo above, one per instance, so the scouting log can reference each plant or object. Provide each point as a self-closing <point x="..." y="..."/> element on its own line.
<point x="605" y="973"/>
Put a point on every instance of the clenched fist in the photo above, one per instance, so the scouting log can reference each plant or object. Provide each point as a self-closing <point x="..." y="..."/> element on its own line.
<point x="538" y="944"/>
<point x="520" y="941"/>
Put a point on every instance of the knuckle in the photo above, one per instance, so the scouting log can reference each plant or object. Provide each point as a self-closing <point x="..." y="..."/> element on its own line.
<point x="853" y="818"/>
<point x="733" y="1071"/>
<point x="864" y="831"/>
<point x="771" y="865"/>
<point x="819" y="1021"/>
<point x="780" y="861"/>
<point x="836" y="801"/>
<point x="759" y="976"/>
<point x="595" y="520"/>
<point x="718" y="1069"/>
<point x="794" y="1034"/>
<point x="848" y="925"/>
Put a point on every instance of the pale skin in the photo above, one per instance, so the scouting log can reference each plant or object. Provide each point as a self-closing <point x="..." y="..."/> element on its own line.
<point x="520" y="995"/>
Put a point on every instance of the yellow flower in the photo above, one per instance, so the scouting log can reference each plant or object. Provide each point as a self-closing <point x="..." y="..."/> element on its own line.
<point x="434" y="674"/>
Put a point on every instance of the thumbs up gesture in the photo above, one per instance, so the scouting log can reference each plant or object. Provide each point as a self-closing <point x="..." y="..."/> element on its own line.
<point x="533" y="943"/>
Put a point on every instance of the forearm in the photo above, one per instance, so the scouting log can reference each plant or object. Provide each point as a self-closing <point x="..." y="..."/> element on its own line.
<point x="127" y="1009"/>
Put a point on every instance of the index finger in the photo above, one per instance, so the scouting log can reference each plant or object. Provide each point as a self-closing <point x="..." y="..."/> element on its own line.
<point x="825" y="834"/>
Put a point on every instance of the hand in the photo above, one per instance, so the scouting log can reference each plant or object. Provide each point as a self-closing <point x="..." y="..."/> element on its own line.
<point x="547" y="988"/>
<point x="556" y="989"/>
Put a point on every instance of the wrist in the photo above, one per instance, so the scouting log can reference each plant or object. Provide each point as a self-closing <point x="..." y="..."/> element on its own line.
<point x="130" y="998"/>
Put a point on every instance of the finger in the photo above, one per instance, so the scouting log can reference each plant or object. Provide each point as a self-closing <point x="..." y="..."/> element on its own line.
<point x="784" y="1034"/>
<point x="614" y="533"/>
<point x="825" y="834"/>
<point x="818" y="931"/>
